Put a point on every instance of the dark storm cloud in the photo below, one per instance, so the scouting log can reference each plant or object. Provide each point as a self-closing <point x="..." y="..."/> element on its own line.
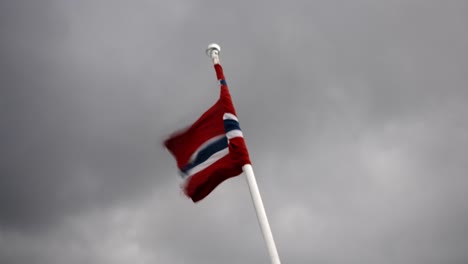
<point x="72" y="129"/>
<point x="354" y="112"/>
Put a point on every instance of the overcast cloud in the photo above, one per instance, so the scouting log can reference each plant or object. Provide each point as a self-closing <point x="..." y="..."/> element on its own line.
<point x="355" y="114"/>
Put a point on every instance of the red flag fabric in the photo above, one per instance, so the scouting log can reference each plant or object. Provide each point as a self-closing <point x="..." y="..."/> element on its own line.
<point x="212" y="149"/>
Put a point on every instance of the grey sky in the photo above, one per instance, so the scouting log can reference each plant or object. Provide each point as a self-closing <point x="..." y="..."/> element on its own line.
<point x="355" y="114"/>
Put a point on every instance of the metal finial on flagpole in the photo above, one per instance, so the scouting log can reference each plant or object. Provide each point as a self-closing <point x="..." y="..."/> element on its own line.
<point x="213" y="51"/>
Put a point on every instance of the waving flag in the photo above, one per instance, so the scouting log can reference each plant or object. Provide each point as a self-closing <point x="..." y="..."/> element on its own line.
<point x="212" y="149"/>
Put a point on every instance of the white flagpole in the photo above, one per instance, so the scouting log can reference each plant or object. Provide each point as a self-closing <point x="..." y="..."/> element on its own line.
<point x="261" y="214"/>
<point x="213" y="52"/>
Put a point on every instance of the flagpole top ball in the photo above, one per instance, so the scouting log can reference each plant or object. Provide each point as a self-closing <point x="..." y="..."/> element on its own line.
<point x="212" y="49"/>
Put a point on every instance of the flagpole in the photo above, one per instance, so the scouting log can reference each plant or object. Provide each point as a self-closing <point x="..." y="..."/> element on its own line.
<point x="213" y="52"/>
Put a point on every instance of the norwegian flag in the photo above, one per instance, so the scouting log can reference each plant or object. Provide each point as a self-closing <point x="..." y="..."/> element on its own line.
<point x="212" y="149"/>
